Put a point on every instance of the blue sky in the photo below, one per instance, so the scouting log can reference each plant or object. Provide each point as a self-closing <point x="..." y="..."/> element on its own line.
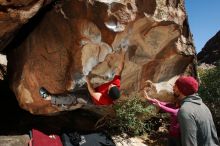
<point x="204" y="20"/>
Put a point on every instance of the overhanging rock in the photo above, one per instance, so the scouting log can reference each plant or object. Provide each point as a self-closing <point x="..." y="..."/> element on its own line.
<point x="80" y="37"/>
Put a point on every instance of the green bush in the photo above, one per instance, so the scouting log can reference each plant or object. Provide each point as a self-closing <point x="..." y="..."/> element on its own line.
<point x="131" y="115"/>
<point x="209" y="83"/>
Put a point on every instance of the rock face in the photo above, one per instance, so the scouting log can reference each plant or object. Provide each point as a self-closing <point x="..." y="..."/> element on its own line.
<point x="21" y="140"/>
<point x="80" y="37"/>
<point x="210" y="53"/>
<point x="3" y="67"/>
<point x="15" y="13"/>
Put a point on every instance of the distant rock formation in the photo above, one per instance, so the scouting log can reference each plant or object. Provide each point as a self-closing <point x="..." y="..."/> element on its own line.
<point x="75" y="38"/>
<point x="210" y="53"/>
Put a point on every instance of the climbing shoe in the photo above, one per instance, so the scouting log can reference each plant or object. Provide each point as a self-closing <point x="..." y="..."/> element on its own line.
<point x="43" y="93"/>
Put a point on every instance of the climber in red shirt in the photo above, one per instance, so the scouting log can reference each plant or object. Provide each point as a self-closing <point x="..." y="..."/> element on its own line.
<point x="106" y="93"/>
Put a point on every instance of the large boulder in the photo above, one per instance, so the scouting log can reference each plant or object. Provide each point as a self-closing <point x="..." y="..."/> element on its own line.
<point x="80" y="37"/>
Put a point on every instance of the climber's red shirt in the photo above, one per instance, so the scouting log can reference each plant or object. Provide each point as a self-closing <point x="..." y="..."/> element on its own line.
<point x="103" y="89"/>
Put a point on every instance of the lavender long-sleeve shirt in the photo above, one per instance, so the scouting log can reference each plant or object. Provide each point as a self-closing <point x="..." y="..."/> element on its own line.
<point x="174" y="129"/>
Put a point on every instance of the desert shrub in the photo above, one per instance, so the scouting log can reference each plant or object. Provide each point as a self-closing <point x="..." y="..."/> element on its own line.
<point x="131" y="115"/>
<point x="209" y="83"/>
